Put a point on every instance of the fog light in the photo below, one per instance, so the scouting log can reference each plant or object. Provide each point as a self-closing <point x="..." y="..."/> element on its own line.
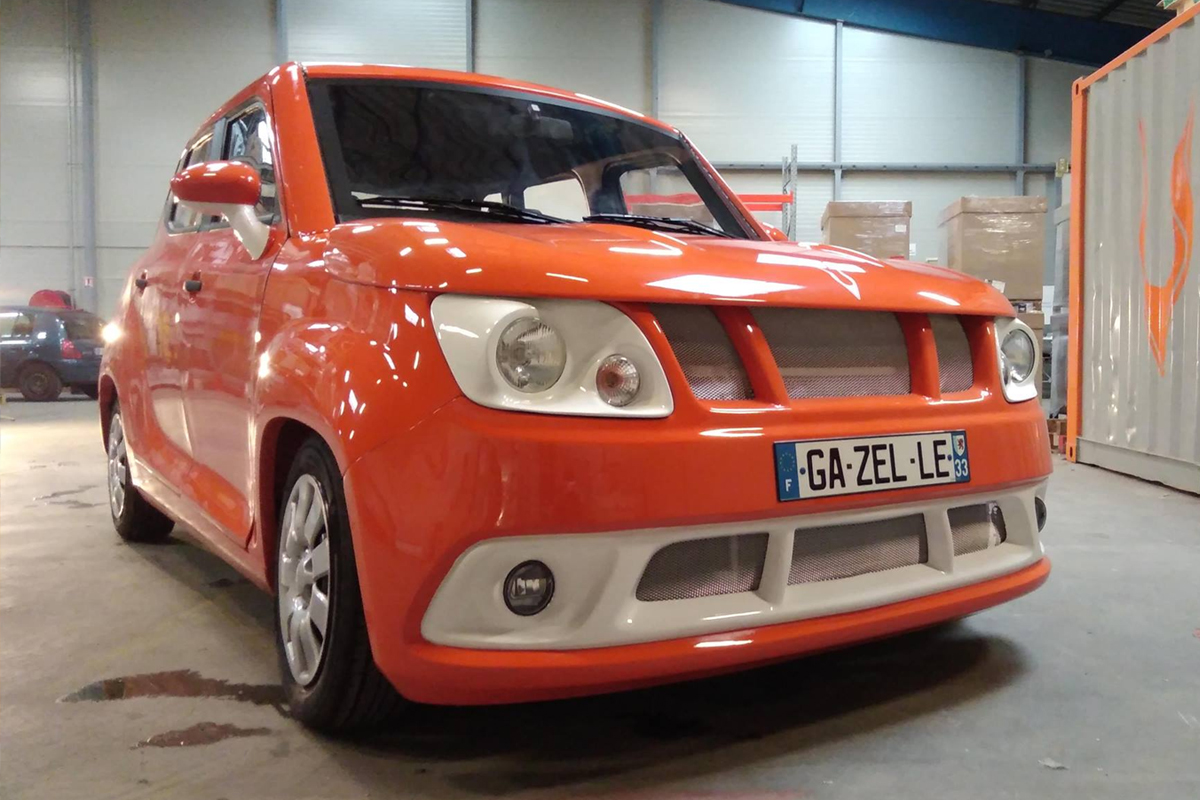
<point x="528" y="588"/>
<point x="617" y="381"/>
<point x="1039" y="510"/>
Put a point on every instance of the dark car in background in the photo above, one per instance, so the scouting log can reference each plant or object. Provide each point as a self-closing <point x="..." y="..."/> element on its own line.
<point x="43" y="350"/>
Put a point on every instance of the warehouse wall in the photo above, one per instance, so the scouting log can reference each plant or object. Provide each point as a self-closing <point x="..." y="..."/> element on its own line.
<point x="426" y="33"/>
<point x="744" y="84"/>
<point x="161" y="69"/>
<point x="35" y="145"/>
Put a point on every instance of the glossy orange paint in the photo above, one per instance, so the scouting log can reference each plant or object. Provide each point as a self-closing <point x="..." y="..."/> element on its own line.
<point x="229" y="182"/>
<point x="330" y="330"/>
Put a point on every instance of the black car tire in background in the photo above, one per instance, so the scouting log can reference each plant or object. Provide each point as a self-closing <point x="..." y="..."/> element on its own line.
<point x="39" y="383"/>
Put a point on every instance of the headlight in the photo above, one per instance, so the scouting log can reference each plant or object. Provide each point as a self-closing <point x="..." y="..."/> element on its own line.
<point x="530" y="355"/>
<point x="577" y="357"/>
<point x="1016" y="356"/>
<point x="1019" y="354"/>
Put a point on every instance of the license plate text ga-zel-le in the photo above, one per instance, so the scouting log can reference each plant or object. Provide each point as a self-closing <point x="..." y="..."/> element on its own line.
<point x="826" y="467"/>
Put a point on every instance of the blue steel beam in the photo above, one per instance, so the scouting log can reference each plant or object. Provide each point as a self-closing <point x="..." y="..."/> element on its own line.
<point x="995" y="26"/>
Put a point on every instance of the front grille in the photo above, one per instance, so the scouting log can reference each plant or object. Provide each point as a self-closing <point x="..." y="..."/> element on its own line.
<point x="842" y="551"/>
<point x="709" y="360"/>
<point x="704" y="567"/>
<point x="831" y="353"/>
<point x="955" y="370"/>
<point x="976" y="527"/>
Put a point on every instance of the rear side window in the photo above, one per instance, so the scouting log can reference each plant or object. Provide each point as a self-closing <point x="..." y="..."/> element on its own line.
<point x="180" y="217"/>
<point x="15" y="325"/>
<point x="82" y="325"/>
<point x="248" y="139"/>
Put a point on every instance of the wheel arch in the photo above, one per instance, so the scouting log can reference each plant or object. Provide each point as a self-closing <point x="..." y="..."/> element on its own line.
<point x="279" y="442"/>
<point x="107" y="401"/>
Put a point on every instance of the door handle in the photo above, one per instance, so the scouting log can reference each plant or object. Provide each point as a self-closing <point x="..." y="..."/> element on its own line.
<point x="193" y="286"/>
<point x="141" y="282"/>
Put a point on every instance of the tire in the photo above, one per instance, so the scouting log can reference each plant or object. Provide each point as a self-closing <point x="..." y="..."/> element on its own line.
<point x="133" y="516"/>
<point x="329" y="675"/>
<point x="40" y="383"/>
<point x="90" y="391"/>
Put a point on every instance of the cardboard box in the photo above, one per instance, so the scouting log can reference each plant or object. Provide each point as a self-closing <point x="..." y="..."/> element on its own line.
<point x="877" y="229"/>
<point x="1001" y="239"/>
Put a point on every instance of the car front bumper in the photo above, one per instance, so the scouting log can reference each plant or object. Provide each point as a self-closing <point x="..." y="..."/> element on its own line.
<point x="441" y="512"/>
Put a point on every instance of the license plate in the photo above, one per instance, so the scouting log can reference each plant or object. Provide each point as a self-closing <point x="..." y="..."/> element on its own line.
<point x="829" y="467"/>
<point x="99" y="351"/>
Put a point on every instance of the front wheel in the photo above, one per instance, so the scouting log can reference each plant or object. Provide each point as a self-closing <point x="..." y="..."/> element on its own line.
<point x="329" y="676"/>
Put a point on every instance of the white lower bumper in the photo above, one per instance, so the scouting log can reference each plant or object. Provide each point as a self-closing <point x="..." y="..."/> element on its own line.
<point x="597" y="574"/>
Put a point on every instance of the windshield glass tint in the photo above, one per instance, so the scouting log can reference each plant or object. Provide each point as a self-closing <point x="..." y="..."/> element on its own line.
<point x="443" y="142"/>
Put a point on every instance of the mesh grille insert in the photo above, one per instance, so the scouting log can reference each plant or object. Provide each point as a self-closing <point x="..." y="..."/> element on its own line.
<point x="831" y="353"/>
<point x="704" y="567"/>
<point x="955" y="369"/>
<point x="977" y="527"/>
<point x="709" y="360"/>
<point x="841" y="551"/>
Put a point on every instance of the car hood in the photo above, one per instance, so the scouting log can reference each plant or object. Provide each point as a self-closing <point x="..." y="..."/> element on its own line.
<point x="601" y="261"/>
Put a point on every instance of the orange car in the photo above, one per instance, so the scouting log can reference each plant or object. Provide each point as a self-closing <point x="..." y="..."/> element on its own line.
<point x="505" y="396"/>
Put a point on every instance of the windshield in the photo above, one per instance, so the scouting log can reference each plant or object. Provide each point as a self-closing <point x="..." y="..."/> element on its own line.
<point x="442" y="142"/>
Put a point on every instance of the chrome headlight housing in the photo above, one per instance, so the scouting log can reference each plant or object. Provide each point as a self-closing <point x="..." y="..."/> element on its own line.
<point x="1018" y="352"/>
<point x="574" y="357"/>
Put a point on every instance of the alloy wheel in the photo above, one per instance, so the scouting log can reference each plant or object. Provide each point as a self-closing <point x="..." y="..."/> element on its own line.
<point x="118" y="467"/>
<point x="304" y="578"/>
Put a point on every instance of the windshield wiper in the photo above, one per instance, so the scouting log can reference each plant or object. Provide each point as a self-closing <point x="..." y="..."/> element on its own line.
<point x="483" y="207"/>
<point x="659" y="223"/>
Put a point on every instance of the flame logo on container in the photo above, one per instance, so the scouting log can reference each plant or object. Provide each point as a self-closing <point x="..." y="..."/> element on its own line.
<point x="1160" y="300"/>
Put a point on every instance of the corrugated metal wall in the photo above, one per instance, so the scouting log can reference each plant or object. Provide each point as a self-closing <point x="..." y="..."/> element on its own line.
<point x="1141" y="283"/>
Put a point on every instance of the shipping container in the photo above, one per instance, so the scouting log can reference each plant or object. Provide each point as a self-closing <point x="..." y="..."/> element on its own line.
<point x="1133" y="395"/>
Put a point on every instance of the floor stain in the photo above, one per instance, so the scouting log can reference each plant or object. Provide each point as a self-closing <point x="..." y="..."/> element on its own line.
<point x="75" y="504"/>
<point x="63" y="493"/>
<point x="225" y="583"/>
<point x="179" y="683"/>
<point x="200" y="733"/>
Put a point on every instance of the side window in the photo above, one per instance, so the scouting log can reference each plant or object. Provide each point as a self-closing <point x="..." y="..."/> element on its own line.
<point x="180" y="217"/>
<point x="248" y="139"/>
<point x="15" y="325"/>
<point x="564" y="199"/>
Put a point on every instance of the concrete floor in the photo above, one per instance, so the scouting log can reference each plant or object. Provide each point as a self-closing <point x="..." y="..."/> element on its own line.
<point x="1090" y="687"/>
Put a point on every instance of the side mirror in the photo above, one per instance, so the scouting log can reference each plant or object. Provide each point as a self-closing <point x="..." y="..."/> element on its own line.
<point x="773" y="233"/>
<point x="228" y="188"/>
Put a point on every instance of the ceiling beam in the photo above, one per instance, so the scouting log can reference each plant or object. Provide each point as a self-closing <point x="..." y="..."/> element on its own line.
<point x="996" y="26"/>
<point x="1108" y="9"/>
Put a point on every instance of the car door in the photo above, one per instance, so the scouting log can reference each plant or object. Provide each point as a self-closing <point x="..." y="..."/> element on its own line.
<point x="220" y="323"/>
<point x="157" y="430"/>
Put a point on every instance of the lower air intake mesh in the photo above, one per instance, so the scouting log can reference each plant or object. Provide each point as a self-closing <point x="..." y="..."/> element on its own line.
<point x="704" y="567"/>
<point x="709" y="360"/>
<point x="955" y="369"/>
<point x="977" y="527"/>
<point x="831" y="353"/>
<point x="841" y="551"/>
